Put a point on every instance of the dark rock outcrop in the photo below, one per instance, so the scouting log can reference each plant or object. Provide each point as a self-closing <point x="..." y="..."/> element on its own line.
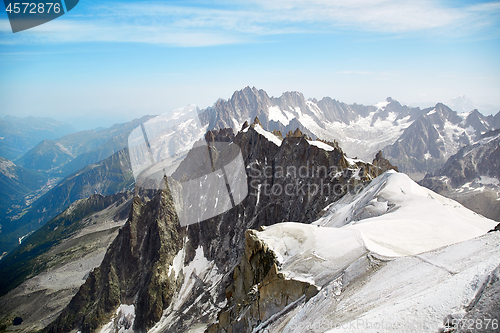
<point x="258" y="290"/>
<point x="383" y="163"/>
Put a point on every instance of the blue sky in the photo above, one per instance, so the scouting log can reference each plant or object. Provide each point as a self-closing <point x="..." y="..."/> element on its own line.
<point x="123" y="59"/>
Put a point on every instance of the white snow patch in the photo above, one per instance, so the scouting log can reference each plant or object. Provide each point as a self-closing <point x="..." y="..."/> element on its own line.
<point x="353" y="161"/>
<point x="488" y="180"/>
<point x="321" y="145"/>
<point x="381" y="105"/>
<point x="258" y="194"/>
<point x="276" y="114"/>
<point x="177" y="263"/>
<point x="268" y="135"/>
<point x="122" y="322"/>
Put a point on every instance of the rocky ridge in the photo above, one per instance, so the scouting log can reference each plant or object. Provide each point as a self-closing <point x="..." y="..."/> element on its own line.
<point x="176" y="277"/>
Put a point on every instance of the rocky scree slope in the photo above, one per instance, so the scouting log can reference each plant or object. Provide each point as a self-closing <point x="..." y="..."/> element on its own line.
<point x="51" y="264"/>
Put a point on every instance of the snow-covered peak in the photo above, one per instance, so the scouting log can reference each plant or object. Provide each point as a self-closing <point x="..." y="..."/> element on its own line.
<point x="438" y="266"/>
<point x="395" y="216"/>
<point x="462" y="104"/>
<point x="382" y="105"/>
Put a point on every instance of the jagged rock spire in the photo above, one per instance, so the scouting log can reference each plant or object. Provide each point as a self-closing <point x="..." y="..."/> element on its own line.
<point x="245" y="125"/>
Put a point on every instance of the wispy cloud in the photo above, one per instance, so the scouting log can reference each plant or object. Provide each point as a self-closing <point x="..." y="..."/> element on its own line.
<point x="357" y="72"/>
<point x="239" y="22"/>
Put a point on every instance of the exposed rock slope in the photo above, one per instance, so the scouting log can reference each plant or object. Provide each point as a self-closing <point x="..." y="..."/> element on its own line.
<point x="472" y="176"/>
<point x="109" y="176"/>
<point x="55" y="261"/>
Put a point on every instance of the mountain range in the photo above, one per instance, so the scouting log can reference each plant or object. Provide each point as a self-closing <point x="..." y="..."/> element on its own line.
<point x="322" y="241"/>
<point x="70" y="153"/>
<point x="19" y="135"/>
<point x="471" y="176"/>
<point x="417" y="140"/>
<point x="109" y="176"/>
<point x="347" y="248"/>
<point x="62" y="171"/>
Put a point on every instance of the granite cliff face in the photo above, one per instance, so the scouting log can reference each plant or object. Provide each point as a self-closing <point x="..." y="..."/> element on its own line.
<point x="259" y="291"/>
<point x="176" y="277"/>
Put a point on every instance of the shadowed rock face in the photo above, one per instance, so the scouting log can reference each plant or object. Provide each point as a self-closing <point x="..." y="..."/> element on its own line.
<point x="133" y="269"/>
<point x="258" y="290"/>
<point x="383" y="163"/>
<point x="137" y="266"/>
<point x="471" y="176"/>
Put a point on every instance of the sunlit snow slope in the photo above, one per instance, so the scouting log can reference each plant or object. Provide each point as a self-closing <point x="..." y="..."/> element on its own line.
<point x="395" y="216"/>
<point x="395" y="258"/>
